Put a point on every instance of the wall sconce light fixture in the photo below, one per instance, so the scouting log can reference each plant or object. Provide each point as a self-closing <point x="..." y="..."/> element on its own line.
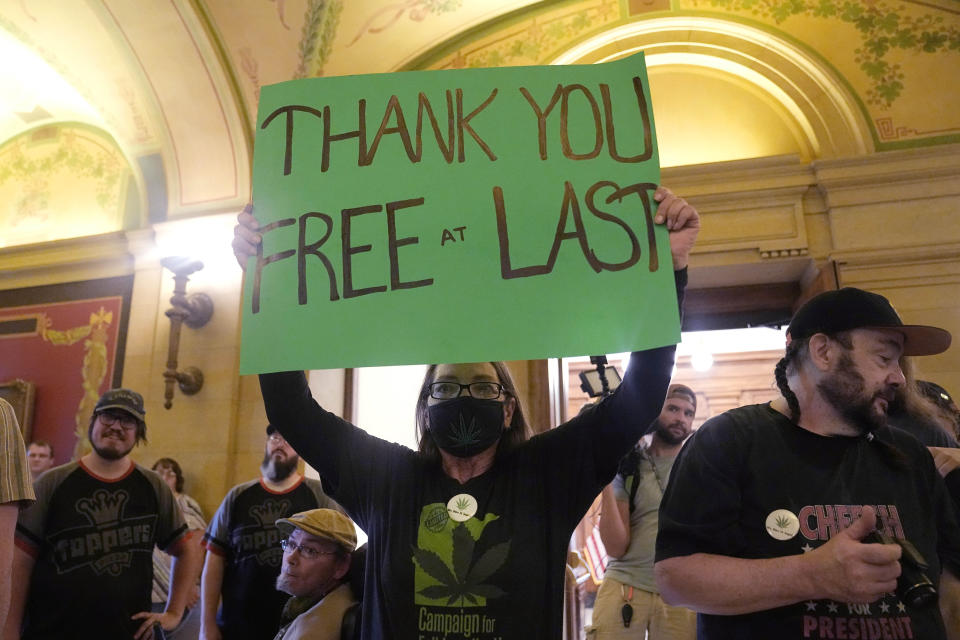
<point x="194" y="310"/>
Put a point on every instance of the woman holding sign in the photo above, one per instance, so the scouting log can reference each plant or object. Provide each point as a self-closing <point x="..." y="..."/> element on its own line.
<point x="468" y="536"/>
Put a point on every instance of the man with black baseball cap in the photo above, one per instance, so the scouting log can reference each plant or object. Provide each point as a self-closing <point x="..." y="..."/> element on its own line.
<point x="850" y="308"/>
<point x="84" y="565"/>
<point x="763" y="525"/>
<point x="240" y="572"/>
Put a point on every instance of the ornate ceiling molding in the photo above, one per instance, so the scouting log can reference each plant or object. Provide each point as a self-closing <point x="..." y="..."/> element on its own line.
<point x="814" y="95"/>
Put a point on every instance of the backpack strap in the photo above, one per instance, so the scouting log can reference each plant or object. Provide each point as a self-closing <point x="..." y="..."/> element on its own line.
<point x="629" y="468"/>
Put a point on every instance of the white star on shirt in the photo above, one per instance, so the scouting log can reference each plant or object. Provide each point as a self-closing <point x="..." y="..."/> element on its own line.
<point x="811" y="605"/>
<point x="901" y="607"/>
<point x="832" y="607"/>
<point x="807" y="548"/>
<point x="884" y="607"/>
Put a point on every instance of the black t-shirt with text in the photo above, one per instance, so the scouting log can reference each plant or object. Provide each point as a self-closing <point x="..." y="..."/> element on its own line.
<point x="483" y="560"/>
<point x="93" y="542"/>
<point x="752" y="484"/>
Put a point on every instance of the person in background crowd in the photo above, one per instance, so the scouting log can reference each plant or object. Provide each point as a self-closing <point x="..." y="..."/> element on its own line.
<point x="767" y="525"/>
<point x="924" y="414"/>
<point x="40" y="456"/>
<point x="316" y="558"/>
<point x="945" y="407"/>
<point x="244" y="546"/>
<point x="916" y="413"/>
<point x="171" y="473"/>
<point x="628" y="603"/>
<point x="473" y="529"/>
<point x="83" y="564"/>
<point x="16" y="493"/>
<point x="947" y="412"/>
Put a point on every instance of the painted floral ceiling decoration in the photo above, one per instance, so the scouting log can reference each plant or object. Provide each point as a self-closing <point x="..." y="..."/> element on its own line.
<point x="175" y="84"/>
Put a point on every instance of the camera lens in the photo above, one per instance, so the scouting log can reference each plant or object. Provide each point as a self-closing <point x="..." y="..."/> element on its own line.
<point x="916" y="592"/>
<point x="913" y="586"/>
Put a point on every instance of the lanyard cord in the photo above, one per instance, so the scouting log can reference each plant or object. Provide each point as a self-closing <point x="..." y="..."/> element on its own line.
<point x="653" y="466"/>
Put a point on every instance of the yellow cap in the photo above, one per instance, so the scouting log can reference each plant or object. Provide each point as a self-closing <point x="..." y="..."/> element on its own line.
<point x="323" y="523"/>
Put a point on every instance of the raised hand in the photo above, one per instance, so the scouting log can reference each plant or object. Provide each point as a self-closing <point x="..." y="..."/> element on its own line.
<point x="682" y="221"/>
<point x="246" y="236"/>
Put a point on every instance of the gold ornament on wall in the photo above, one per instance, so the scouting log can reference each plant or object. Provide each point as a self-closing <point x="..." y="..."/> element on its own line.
<point x="92" y="371"/>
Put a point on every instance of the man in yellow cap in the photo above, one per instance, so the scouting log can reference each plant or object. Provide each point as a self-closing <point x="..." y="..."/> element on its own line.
<point x="316" y="558"/>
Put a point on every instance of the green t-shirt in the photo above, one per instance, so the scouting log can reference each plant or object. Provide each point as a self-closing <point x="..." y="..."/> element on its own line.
<point x="635" y="567"/>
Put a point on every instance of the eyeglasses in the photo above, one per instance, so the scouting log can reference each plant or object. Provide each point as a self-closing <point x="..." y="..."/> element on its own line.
<point x="275" y="438"/>
<point x="289" y="546"/>
<point x="450" y="390"/>
<point x="108" y="419"/>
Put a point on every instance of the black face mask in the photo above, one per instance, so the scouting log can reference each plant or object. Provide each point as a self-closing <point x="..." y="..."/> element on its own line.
<point x="465" y="426"/>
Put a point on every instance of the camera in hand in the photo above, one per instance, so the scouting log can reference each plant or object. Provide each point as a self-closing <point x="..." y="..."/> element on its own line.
<point x="913" y="586"/>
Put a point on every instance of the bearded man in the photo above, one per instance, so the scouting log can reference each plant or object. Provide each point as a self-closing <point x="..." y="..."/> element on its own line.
<point x="84" y="561"/>
<point x="628" y="603"/>
<point x="809" y="517"/>
<point x="243" y="541"/>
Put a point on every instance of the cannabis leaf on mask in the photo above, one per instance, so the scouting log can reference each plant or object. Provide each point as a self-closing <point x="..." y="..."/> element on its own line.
<point x="465" y="582"/>
<point x="464" y="433"/>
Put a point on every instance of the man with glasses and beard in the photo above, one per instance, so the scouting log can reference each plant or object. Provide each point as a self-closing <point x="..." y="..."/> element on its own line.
<point x="766" y="526"/>
<point x="628" y="604"/>
<point x="83" y="567"/>
<point x="241" y="569"/>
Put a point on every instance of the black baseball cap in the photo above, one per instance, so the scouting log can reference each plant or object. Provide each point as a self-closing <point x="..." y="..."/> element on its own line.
<point x="851" y="308"/>
<point x="271" y="429"/>
<point x="125" y="399"/>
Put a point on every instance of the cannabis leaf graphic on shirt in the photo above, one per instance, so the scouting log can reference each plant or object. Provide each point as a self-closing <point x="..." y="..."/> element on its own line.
<point x="783" y="522"/>
<point x="465" y="581"/>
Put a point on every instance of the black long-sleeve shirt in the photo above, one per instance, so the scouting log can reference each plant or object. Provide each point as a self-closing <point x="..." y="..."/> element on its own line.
<point x="499" y="573"/>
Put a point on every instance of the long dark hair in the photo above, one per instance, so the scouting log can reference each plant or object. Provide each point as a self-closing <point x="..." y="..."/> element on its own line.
<point x="518" y="432"/>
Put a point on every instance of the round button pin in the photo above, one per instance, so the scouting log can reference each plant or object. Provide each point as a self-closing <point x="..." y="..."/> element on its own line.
<point x="462" y="507"/>
<point x="782" y="524"/>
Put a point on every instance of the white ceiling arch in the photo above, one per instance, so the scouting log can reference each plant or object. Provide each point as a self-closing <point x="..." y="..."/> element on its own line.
<point x="151" y="75"/>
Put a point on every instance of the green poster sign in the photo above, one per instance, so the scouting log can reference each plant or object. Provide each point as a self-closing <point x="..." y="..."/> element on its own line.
<point x="456" y="216"/>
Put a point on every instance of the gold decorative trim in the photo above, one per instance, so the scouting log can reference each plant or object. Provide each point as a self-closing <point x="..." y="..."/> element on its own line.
<point x="94" y="367"/>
